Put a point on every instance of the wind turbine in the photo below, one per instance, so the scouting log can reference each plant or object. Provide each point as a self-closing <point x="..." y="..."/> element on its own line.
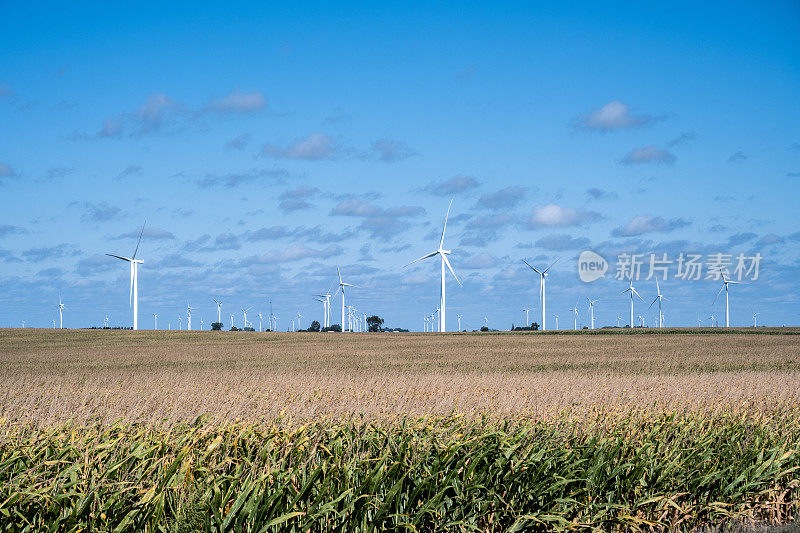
<point x="556" y="321"/>
<point x="442" y="253"/>
<point x="712" y="320"/>
<point x="60" y="308"/>
<point x="527" y="318"/>
<point x="658" y="298"/>
<point x="618" y="319"/>
<point x="155" y="320"/>
<point x="201" y="323"/>
<point x="180" y="322"/>
<point x="755" y="315"/>
<point x="219" y="310"/>
<point x="575" y="316"/>
<point x="54" y="323"/>
<point x="699" y="322"/>
<point x="485" y="321"/>
<point x="189" y="317"/>
<point x="542" y="282"/>
<point x="459" y="322"/>
<point x="231" y="320"/>
<point x="631" y="290"/>
<point x="260" y="318"/>
<point x="641" y="320"/>
<point x="244" y="314"/>
<point x="299" y="316"/>
<point x="342" y="285"/>
<point x="324" y="311"/>
<point x="134" y="296"/>
<point x="725" y="283"/>
<point x="591" y="311"/>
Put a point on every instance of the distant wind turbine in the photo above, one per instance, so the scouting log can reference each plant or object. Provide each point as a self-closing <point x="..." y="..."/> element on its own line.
<point x="342" y="285"/>
<point x="575" y="315"/>
<point x="725" y="283"/>
<point x="556" y="316"/>
<point x="755" y="318"/>
<point x="442" y="253"/>
<point x="299" y="316"/>
<point x="618" y="319"/>
<point x="260" y="318"/>
<point x="591" y="311"/>
<point x="219" y="310"/>
<point x="134" y="296"/>
<point x="244" y="315"/>
<point x="527" y="318"/>
<point x="60" y="308"/>
<point x="542" y="283"/>
<point x="459" y="322"/>
<point x="155" y="320"/>
<point x="658" y="299"/>
<point x="632" y="291"/>
<point x="189" y="309"/>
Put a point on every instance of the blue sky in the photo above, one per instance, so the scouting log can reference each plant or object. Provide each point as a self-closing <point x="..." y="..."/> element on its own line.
<point x="265" y="144"/>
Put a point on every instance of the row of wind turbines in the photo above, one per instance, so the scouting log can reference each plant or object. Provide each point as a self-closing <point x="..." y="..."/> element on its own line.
<point x="354" y="320"/>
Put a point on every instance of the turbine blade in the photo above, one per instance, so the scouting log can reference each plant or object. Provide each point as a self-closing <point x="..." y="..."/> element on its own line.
<point x="340" y="273"/>
<point x="140" y="240"/>
<point x="651" y="304"/>
<point x="551" y="266"/>
<point x="534" y="268"/>
<point x="637" y="294"/>
<point x="441" y="243"/>
<point x="447" y="262"/>
<point x="717" y="296"/>
<point x="414" y="261"/>
<point x="119" y="257"/>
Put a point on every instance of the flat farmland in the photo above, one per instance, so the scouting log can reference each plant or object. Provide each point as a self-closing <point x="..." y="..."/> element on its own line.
<point x="161" y="377"/>
<point x="220" y="431"/>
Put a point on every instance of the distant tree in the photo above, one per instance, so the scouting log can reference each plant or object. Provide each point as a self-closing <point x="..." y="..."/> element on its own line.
<point x="535" y="326"/>
<point x="374" y="323"/>
<point x="484" y="328"/>
<point x="249" y="328"/>
<point x="216" y="326"/>
<point x="334" y="327"/>
<point x="314" y="326"/>
<point x="234" y="328"/>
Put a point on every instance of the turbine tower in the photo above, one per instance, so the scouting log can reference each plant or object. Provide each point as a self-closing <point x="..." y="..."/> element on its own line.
<point x="591" y="311"/>
<point x="542" y="282"/>
<point x="459" y="322"/>
<point x="189" y="317"/>
<point x="725" y="283"/>
<point x="755" y="318"/>
<point x="658" y="298"/>
<point x="556" y="321"/>
<point x="342" y="285"/>
<point x="442" y="253"/>
<point x="299" y="316"/>
<point x="60" y="308"/>
<point x="134" y="296"/>
<point x="527" y="318"/>
<point x="631" y="290"/>
<point x="155" y="320"/>
<point x="244" y="315"/>
<point x="219" y="310"/>
<point x="260" y="318"/>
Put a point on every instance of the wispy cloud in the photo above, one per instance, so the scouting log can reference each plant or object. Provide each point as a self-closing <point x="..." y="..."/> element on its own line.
<point x="297" y="199"/>
<point x="562" y="241"/>
<point x="130" y="170"/>
<point x="149" y="233"/>
<point x="239" y="142"/>
<point x="599" y="194"/>
<point x="381" y="223"/>
<point x="390" y="150"/>
<point x="648" y="154"/>
<point x="295" y="252"/>
<point x="236" y="102"/>
<point x="505" y="199"/>
<point x="6" y="171"/>
<point x="614" y="115"/>
<point x="234" y="179"/>
<point x="642" y="224"/>
<point x="681" y="139"/>
<point x="317" y="146"/>
<point x="98" y="212"/>
<point x="6" y="229"/>
<point x="451" y="187"/>
<point x="736" y="157"/>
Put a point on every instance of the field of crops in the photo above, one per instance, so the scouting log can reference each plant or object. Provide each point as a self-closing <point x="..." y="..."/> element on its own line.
<point x="175" y="431"/>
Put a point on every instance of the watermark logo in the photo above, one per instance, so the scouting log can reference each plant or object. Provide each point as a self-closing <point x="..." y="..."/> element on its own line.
<point x="591" y="266"/>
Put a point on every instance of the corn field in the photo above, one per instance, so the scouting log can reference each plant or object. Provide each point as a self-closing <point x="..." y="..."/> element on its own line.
<point x="639" y="473"/>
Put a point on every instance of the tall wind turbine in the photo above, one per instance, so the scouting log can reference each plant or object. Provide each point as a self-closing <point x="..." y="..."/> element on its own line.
<point x="134" y="297"/>
<point x="155" y="320"/>
<point x="755" y="318"/>
<point x="591" y="312"/>
<point x="219" y="310"/>
<point x="244" y="314"/>
<point x="658" y="298"/>
<point x="575" y="315"/>
<point x="631" y="290"/>
<point x="260" y="318"/>
<point x="299" y="316"/>
<point x="725" y="283"/>
<point x="189" y="309"/>
<point x="618" y="319"/>
<point x="324" y="311"/>
<point x="442" y="253"/>
<point x="459" y="322"/>
<point x="542" y="282"/>
<point x="60" y="308"/>
<point x="556" y="321"/>
<point x="527" y="318"/>
<point x="342" y="285"/>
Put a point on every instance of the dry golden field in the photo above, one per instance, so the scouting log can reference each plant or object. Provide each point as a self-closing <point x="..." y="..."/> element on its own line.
<point x="51" y="377"/>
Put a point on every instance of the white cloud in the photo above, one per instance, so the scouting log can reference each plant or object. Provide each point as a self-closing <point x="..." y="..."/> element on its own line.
<point x="391" y="150"/>
<point x="455" y="185"/>
<point x="614" y="115"/>
<point x="555" y="216"/>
